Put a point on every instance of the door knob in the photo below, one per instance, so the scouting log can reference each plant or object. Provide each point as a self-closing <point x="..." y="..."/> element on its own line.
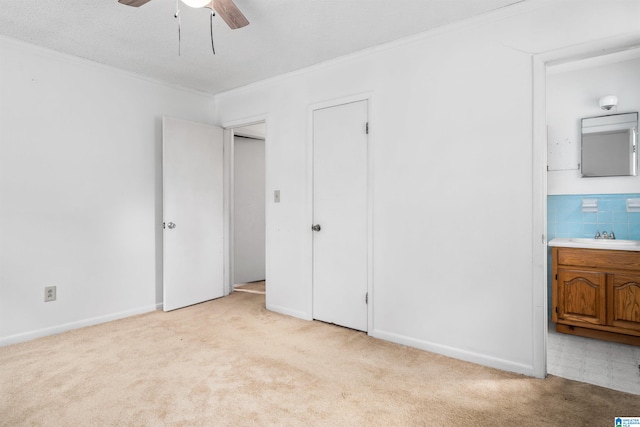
<point x="316" y="227"/>
<point x="171" y="226"/>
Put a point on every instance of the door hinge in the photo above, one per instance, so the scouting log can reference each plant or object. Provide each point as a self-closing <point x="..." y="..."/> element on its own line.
<point x="366" y="298"/>
<point x="556" y="277"/>
<point x="366" y="128"/>
<point x="556" y="309"/>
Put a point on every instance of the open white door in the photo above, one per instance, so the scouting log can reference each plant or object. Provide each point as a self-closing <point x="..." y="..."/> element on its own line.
<point x="193" y="264"/>
<point x="340" y="236"/>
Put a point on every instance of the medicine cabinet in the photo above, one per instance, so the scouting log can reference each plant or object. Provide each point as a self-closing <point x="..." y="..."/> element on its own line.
<point x="609" y="145"/>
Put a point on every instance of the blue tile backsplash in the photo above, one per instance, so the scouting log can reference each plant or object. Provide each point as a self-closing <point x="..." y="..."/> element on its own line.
<point x="566" y="219"/>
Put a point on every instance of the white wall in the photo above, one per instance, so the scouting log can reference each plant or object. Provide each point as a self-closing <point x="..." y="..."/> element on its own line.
<point x="248" y="210"/>
<point x="573" y="95"/>
<point x="452" y="174"/>
<point x="80" y="189"/>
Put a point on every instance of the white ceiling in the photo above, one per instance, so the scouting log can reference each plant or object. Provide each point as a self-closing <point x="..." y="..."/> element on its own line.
<point x="283" y="35"/>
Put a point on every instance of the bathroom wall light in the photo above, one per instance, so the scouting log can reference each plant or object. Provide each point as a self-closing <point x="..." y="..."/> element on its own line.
<point x="606" y="102"/>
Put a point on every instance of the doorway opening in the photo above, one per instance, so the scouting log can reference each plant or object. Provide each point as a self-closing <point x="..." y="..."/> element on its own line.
<point x="247" y="209"/>
<point x="572" y="90"/>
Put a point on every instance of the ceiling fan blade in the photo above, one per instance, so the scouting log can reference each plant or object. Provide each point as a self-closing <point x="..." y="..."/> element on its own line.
<point x="229" y="13"/>
<point x="134" y="3"/>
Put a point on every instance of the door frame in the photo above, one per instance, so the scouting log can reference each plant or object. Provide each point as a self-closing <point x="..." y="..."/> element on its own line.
<point x="539" y="64"/>
<point x="335" y="102"/>
<point x="228" y="138"/>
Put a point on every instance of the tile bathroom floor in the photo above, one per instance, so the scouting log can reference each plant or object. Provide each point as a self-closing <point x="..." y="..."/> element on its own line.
<point x="603" y="363"/>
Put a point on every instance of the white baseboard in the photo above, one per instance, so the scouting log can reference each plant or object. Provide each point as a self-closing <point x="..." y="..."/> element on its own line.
<point x="288" y="312"/>
<point x="456" y="353"/>
<point x="28" y="336"/>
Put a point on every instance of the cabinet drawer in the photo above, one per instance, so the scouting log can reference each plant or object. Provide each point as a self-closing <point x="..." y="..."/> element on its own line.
<point x="598" y="258"/>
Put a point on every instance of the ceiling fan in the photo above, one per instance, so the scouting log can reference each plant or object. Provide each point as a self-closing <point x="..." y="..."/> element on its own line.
<point x="227" y="10"/>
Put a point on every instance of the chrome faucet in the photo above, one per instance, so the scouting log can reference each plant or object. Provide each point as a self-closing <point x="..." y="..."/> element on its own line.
<point x="604" y="235"/>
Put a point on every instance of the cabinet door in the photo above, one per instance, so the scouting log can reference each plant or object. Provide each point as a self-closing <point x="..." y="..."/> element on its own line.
<point x="624" y="301"/>
<point x="581" y="296"/>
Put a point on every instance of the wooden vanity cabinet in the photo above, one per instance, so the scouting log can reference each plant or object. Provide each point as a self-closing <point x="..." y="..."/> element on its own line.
<point x="596" y="293"/>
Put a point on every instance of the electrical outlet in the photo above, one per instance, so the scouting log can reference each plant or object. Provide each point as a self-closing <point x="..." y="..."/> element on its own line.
<point x="49" y="293"/>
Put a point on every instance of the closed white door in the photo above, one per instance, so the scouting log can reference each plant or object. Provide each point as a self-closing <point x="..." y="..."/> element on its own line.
<point x="193" y="213"/>
<point x="340" y="215"/>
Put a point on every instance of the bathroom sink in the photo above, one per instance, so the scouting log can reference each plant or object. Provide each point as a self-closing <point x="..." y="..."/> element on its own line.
<point x="607" y="242"/>
<point x="614" y="244"/>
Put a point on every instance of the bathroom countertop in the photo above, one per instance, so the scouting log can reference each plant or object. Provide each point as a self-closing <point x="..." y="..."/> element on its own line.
<point x="610" y="244"/>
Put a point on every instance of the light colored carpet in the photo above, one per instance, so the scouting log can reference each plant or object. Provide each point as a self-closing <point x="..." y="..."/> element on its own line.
<point x="229" y="362"/>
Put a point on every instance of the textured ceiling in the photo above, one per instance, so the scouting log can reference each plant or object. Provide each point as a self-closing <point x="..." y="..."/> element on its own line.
<point x="284" y="35"/>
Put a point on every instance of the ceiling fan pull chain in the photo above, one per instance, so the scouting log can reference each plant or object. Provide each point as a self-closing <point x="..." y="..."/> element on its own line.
<point x="211" y="28"/>
<point x="177" y="15"/>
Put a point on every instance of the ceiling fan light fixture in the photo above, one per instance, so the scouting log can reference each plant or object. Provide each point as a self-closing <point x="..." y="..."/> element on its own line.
<point x="196" y="3"/>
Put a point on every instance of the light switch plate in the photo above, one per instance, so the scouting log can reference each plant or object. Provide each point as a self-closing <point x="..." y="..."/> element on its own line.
<point x="276" y="196"/>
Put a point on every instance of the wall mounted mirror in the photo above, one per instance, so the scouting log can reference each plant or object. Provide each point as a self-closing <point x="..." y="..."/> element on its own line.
<point x="609" y="145"/>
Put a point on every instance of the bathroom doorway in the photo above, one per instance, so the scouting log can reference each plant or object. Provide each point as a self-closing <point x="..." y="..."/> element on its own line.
<point x="573" y="88"/>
